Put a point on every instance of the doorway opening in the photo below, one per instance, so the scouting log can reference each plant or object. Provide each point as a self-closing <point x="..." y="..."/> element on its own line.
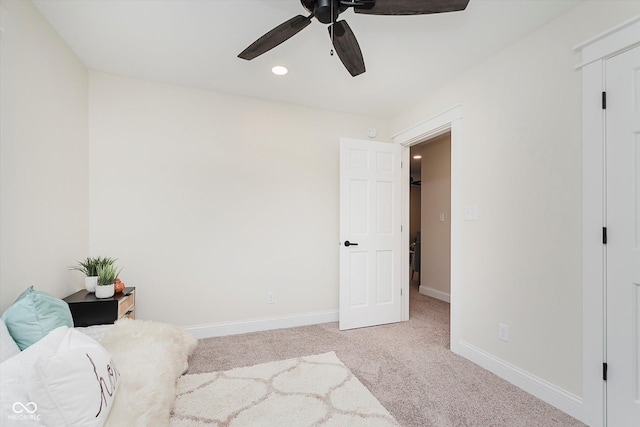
<point x="430" y="217"/>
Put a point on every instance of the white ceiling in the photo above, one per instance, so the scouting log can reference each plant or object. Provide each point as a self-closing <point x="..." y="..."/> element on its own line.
<point x="196" y="43"/>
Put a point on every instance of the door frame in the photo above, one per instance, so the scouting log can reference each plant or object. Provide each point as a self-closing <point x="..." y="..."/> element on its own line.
<point x="595" y="53"/>
<point x="449" y="120"/>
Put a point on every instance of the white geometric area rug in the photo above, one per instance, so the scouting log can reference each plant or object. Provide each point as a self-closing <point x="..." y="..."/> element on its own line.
<point x="306" y="391"/>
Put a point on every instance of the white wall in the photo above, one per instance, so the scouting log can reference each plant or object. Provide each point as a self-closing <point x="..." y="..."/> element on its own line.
<point x="522" y="167"/>
<point x="44" y="151"/>
<point x="210" y="200"/>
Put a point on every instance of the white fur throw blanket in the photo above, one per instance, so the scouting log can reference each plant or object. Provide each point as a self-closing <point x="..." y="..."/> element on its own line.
<point x="150" y="356"/>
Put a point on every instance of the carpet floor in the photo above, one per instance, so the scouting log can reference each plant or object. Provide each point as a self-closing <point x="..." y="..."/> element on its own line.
<point x="407" y="366"/>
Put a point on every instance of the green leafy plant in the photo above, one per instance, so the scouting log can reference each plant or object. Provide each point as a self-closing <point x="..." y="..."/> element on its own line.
<point x="107" y="274"/>
<point x="90" y="265"/>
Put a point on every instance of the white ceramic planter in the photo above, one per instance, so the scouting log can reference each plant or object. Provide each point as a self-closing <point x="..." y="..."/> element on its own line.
<point x="105" y="291"/>
<point x="90" y="283"/>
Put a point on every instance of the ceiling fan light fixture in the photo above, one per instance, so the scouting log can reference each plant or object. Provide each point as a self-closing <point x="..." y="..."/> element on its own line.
<point x="279" y="70"/>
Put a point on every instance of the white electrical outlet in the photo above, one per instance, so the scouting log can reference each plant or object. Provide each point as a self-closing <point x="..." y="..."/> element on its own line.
<point x="270" y="298"/>
<point x="441" y="216"/>
<point x="503" y="332"/>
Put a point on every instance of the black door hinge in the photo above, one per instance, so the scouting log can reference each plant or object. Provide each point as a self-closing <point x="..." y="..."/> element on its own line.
<point x="604" y="235"/>
<point x="604" y="100"/>
<point x="604" y="371"/>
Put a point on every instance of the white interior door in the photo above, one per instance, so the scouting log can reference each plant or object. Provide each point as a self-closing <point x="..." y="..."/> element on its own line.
<point x="623" y="243"/>
<point x="370" y="221"/>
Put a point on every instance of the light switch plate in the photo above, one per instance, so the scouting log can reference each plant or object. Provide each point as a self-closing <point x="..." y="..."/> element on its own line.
<point x="503" y="332"/>
<point x="471" y="213"/>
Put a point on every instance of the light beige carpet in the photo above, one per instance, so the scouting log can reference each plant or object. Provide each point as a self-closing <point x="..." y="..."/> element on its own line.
<point x="407" y="366"/>
<point x="305" y="391"/>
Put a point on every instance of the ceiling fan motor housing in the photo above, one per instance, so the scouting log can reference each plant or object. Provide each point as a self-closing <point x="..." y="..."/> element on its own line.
<point x="325" y="11"/>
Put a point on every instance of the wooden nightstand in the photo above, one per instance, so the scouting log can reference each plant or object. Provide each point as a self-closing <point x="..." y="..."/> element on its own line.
<point x="88" y="310"/>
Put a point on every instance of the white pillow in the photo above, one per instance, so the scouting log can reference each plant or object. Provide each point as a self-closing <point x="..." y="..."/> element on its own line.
<point x="8" y="346"/>
<point x="76" y="386"/>
<point x="15" y="373"/>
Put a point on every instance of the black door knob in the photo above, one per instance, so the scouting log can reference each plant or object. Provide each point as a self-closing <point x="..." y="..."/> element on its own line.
<point x="348" y="243"/>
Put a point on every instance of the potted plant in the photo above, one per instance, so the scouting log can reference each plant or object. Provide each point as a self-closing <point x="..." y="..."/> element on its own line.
<point x="107" y="274"/>
<point x="89" y="267"/>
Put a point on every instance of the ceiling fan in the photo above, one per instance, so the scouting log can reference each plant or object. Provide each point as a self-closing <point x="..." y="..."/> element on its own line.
<point x="343" y="39"/>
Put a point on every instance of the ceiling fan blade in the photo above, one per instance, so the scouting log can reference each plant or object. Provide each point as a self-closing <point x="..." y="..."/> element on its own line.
<point x="412" y="7"/>
<point x="273" y="38"/>
<point x="347" y="47"/>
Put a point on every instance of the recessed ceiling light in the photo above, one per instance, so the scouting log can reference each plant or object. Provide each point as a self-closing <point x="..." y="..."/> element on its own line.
<point x="279" y="70"/>
<point x="417" y="157"/>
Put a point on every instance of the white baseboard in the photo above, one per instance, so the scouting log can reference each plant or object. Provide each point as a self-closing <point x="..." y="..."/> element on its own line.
<point x="255" y="325"/>
<point x="434" y="293"/>
<point x="543" y="390"/>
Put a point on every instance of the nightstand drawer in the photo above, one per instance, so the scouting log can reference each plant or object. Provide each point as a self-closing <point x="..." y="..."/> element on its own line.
<point x="126" y="304"/>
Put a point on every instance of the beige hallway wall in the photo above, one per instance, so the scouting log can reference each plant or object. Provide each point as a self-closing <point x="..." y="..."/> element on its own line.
<point x="435" y="273"/>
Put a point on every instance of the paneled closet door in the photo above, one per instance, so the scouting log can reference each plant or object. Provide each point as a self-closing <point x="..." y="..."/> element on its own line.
<point x="623" y="243"/>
